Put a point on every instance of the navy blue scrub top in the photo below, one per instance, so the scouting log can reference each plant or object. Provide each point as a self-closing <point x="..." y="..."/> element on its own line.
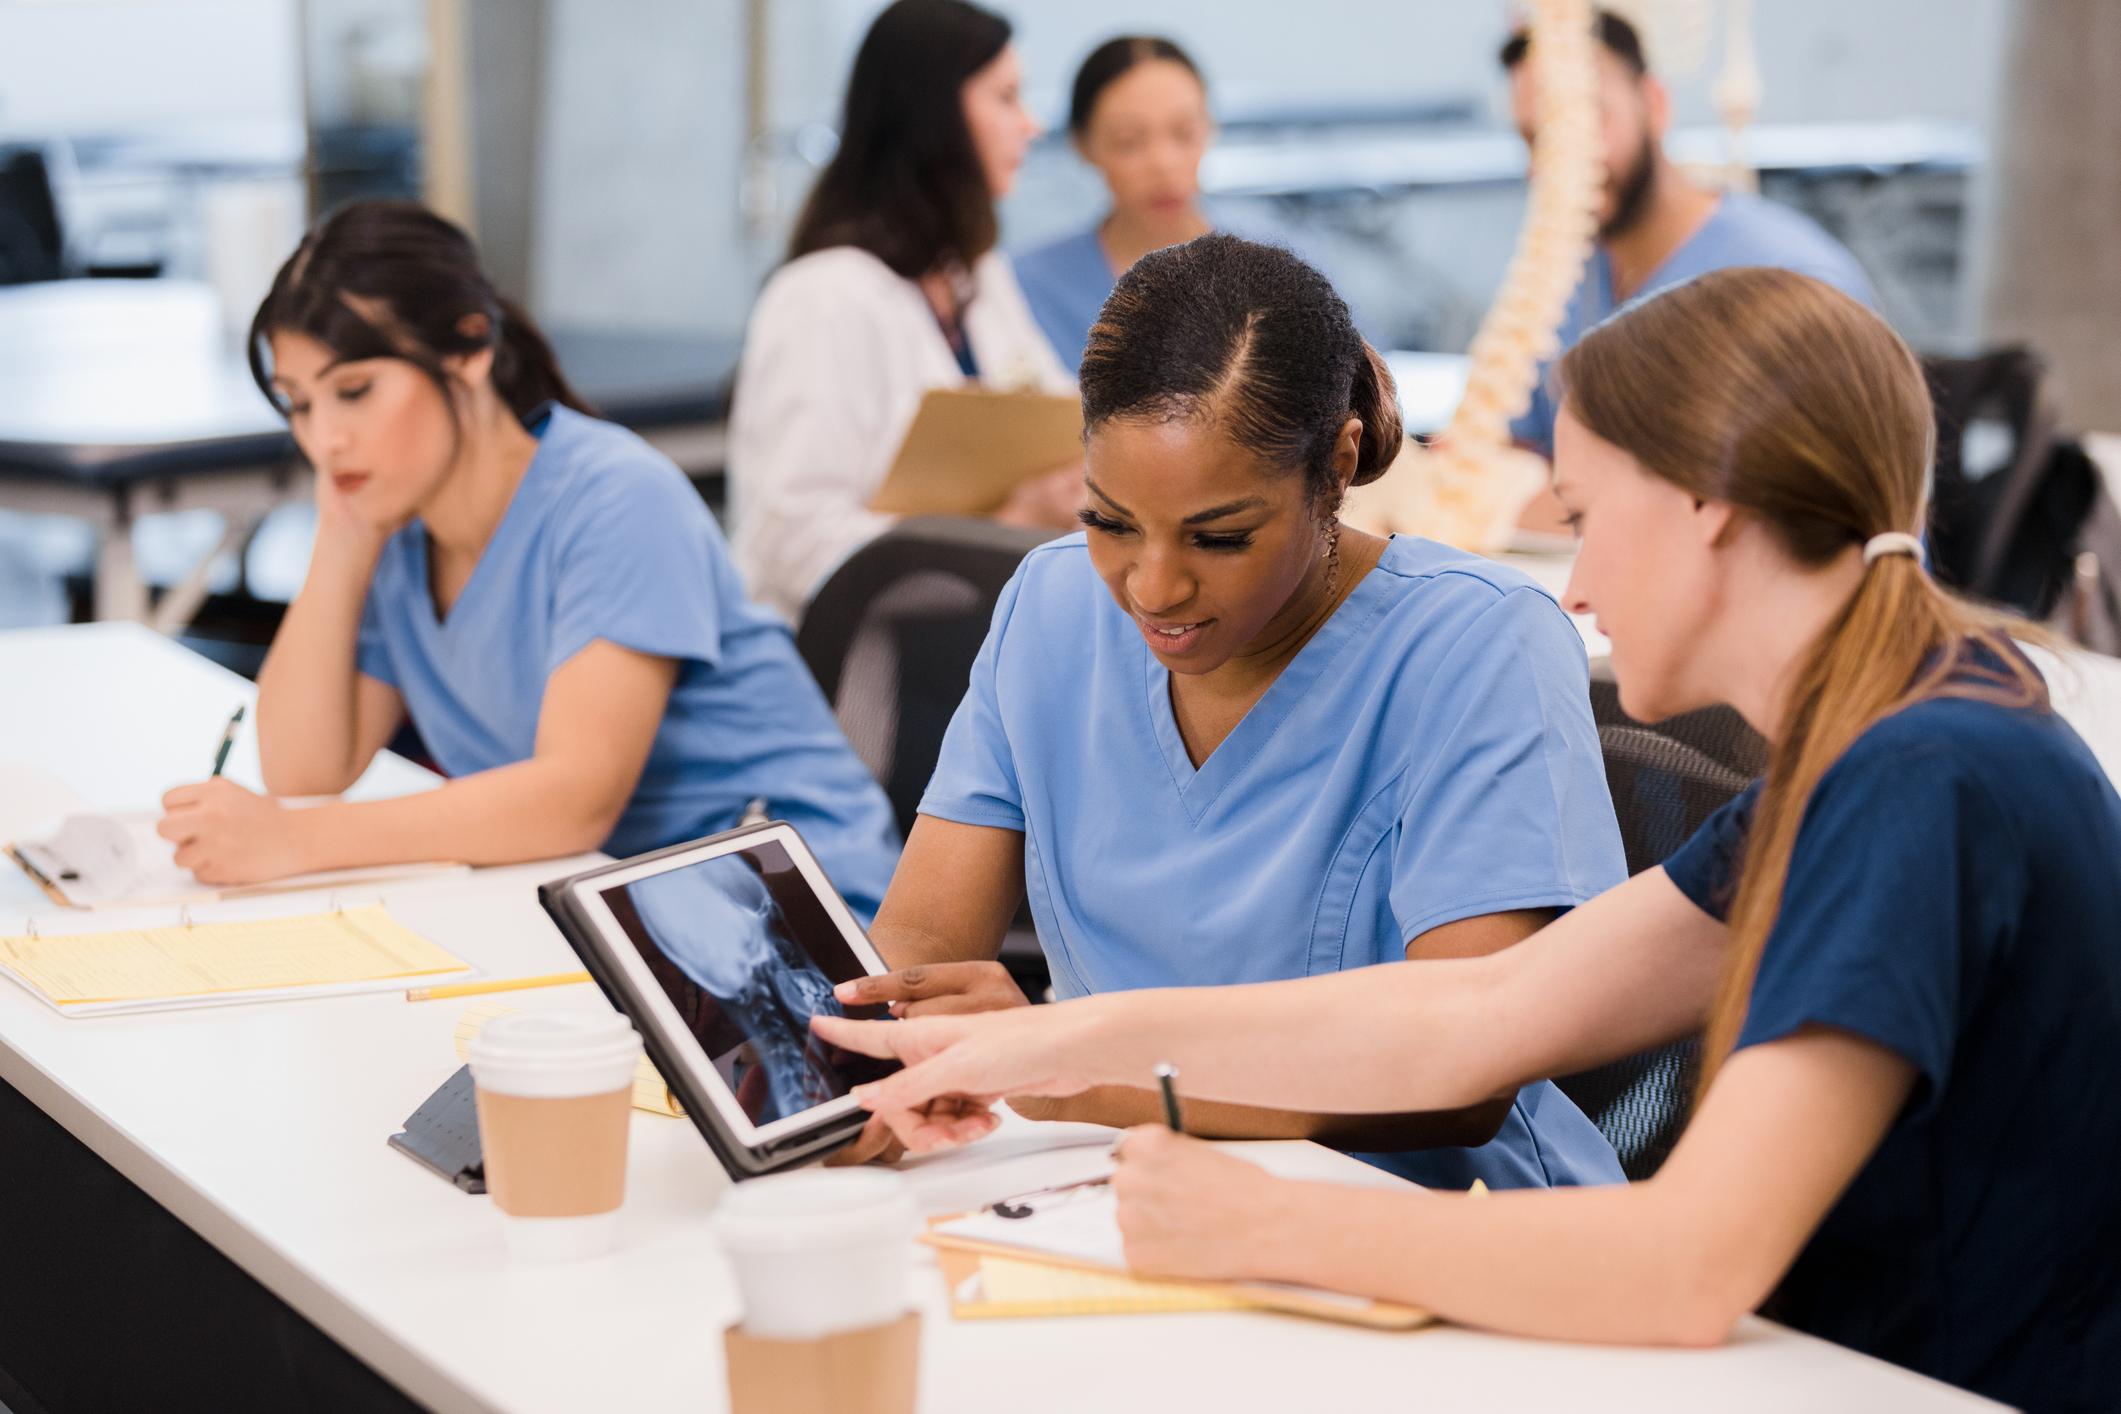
<point x="1955" y="897"/>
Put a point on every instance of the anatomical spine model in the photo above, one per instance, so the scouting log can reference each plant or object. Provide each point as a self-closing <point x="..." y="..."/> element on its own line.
<point x="1467" y="487"/>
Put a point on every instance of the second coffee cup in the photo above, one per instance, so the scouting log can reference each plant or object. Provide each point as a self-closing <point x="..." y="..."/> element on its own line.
<point x="554" y="1094"/>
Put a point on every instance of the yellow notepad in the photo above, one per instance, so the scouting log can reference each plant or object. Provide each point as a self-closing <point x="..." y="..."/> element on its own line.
<point x="649" y="1091"/>
<point x="144" y="968"/>
<point x="991" y="1287"/>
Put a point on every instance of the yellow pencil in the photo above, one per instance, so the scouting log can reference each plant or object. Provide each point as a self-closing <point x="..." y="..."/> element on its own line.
<point x="501" y="984"/>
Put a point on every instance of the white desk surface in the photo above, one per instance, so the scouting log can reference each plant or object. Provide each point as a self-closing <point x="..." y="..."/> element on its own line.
<point x="262" y="1127"/>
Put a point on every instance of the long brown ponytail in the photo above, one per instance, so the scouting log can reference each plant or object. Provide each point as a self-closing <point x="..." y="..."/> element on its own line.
<point x="1793" y="403"/>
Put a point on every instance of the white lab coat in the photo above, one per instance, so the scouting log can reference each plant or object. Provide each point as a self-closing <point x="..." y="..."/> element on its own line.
<point x="838" y="356"/>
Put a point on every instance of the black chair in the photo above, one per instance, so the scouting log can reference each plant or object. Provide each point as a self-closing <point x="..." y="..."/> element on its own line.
<point x="1718" y="733"/>
<point x="30" y="244"/>
<point x="891" y="637"/>
<point x="1665" y="781"/>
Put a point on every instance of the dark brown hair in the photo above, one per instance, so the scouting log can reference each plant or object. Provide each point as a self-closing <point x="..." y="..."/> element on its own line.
<point x="1793" y="403"/>
<point x="1251" y="338"/>
<point x="390" y="279"/>
<point x="1108" y="62"/>
<point x="906" y="184"/>
<point x="1616" y="34"/>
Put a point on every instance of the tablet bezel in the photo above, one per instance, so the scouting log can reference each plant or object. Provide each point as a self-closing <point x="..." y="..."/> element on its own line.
<point x="652" y="1005"/>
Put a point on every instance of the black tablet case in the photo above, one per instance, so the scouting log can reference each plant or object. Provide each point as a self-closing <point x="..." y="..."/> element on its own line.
<point x="443" y="1134"/>
<point x="742" y="1162"/>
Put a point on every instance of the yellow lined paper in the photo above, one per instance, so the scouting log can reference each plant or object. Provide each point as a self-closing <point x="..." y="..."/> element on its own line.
<point x="358" y="945"/>
<point x="1006" y="1287"/>
<point x="649" y="1091"/>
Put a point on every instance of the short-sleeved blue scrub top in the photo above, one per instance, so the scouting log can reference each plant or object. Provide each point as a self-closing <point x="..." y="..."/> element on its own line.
<point x="1429" y="755"/>
<point x="1954" y="896"/>
<point x="606" y="539"/>
<point x="1743" y="230"/>
<point x="1066" y="282"/>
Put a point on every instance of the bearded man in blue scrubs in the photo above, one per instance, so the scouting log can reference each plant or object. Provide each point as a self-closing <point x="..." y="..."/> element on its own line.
<point x="1657" y="227"/>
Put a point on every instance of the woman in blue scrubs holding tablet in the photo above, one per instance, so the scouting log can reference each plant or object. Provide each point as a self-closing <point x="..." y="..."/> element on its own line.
<point x="541" y="592"/>
<point x="1902" y="942"/>
<point x="1221" y="738"/>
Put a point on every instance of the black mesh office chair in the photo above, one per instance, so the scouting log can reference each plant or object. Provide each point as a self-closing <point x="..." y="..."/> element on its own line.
<point x="1665" y="781"/>
<point x="891" y="638"/>
<point x="892" y="634"/>
<point x="1718" y="733"/>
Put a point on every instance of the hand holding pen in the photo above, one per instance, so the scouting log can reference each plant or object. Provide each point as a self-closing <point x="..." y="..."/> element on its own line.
<point x="228" y="739"/>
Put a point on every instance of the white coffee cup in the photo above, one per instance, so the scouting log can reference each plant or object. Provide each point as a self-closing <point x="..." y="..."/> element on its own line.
<point x="819" y="1251"/>
<point x="554" y="1096"/>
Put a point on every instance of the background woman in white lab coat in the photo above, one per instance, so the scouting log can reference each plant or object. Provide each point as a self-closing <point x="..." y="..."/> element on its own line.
<point x="893" y="286"/>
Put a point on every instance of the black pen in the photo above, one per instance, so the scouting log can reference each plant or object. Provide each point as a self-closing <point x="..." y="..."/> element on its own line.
<point x="1166" y="1081"/>
<point x="228" y="739"/>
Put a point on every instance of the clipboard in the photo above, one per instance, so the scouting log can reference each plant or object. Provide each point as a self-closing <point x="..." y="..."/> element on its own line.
<point x="969" y="448"/>
<point x="1262" y="1296"/>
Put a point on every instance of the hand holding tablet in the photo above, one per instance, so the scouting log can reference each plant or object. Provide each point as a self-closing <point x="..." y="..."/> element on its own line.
<point x="721" y="952"/>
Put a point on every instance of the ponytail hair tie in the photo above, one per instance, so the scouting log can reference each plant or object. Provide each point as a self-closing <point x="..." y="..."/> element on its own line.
<point x="1892" y="542"/>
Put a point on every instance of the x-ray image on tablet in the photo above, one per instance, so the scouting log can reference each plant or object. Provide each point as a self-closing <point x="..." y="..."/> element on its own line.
<point x="720" y="952"/>
<point x="746" y="953"/>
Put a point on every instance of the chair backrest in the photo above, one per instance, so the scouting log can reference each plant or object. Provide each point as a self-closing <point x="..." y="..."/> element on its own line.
<point x="2014" y="495"/>
<point x="892" y="634"/>
<point x="1665" y="780"/>
<point x="30" y="244"/>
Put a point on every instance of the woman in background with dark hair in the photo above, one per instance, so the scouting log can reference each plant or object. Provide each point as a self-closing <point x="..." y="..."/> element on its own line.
<point x="1139" y="115"/>
<point x="1223" y="738"/>
<point x="893" y="286"/>
<point x="542" y="592"/>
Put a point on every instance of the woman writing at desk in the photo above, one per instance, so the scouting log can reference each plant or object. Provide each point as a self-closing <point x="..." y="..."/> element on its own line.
<point x="893" y="287"/>
<point x="1901" y="942"/>
<point x="1222" y="738"/>
<point x="541" y="592"/>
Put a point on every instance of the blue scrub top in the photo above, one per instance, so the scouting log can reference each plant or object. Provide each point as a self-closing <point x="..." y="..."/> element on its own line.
<point x="606" y="539"/>
<point x="1743" y="230"/>
<point x="1065" y="282"/>
<point x="1954" y="896"/>
<point x="1428" y="756"/>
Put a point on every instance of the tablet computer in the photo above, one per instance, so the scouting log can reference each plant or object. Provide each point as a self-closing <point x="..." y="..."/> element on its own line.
<point x="720" y="951"/>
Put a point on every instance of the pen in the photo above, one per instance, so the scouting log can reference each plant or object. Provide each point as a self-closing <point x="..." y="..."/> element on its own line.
<point x="1166" y="1081"/>
<point x="228" y="739"/>
<point x="500" y="984"/>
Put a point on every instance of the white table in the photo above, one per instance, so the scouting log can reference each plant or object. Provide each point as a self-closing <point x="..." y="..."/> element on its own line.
<point x="409" y="1274"/>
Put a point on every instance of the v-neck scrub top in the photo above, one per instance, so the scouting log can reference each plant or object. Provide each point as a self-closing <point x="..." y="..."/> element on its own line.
<point x="605" y="539"/>
<point x="1429" y="755"/>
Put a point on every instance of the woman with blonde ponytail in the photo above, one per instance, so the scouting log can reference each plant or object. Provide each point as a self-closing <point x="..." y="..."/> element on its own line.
<point x="1904" y="943"/>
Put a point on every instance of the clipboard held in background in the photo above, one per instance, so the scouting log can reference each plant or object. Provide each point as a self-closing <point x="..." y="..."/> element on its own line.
<point x="969" y="448"/>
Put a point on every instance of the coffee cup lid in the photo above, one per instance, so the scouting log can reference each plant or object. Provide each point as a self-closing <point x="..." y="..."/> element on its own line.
<point x="814" y="1208"/>
<point x="555" y="1039"/>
